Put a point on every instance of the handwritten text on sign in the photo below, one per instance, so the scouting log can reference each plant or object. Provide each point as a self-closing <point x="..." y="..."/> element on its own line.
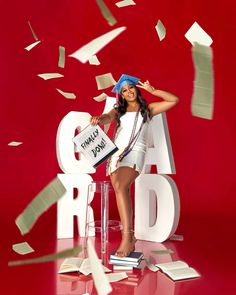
<point x="94" y="144"/>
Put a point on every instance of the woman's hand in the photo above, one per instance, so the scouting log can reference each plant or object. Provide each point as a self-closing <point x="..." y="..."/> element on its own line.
<point x="147" y="86"/>
<point x="95" y="120"/>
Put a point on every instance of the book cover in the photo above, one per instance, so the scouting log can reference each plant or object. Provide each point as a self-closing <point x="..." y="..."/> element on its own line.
<point x="133" y="257"/>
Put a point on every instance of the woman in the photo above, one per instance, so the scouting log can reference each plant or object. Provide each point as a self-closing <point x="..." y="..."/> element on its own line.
<point x="132" y="114"/>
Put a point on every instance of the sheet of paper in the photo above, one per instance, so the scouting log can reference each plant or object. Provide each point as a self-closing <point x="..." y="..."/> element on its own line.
<point x="61" y="60"/>
<point x="105" y="81"/>
<point x="22" y="248"/>
<point x="115" y="277"/>
<point x="43" y="200"/>
<point x="46" y="258"/>
<point x="68" y="95"/>
<point x="176" y="237"/>
<point x="106" y="12"/>
<point x="93" y="60"/>
<point x="197" y="34"/>
<point x="100" y="279"/>
<point x="32" y="31"/>
<point x="151" y="266"/>
<point x="125" y="3"/>
<point x="100" y="97"/>
<point x="203" y="93"/>
<point x="167" y="251"/>
<point x="29" y="47"/>
<point x="15" y="143"/>
<point x="88" y="50"/>
<point x="161" y="30"/>
<point x="47" y="76"/>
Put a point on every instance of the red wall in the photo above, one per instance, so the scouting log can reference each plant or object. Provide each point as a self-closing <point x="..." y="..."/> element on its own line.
<point x="31" y="108"/>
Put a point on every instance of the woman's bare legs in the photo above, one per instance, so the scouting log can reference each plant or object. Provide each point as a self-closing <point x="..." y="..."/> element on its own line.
<point x="121" y="180"/>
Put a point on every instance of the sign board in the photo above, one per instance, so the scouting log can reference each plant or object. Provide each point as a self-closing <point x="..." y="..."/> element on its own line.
<point x="95" y="145"/>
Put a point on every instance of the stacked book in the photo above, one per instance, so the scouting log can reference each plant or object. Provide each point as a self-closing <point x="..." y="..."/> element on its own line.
<point x="132" y="260"/>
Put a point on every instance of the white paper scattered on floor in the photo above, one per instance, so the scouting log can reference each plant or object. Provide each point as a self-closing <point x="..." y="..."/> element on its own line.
<point x="93" y="60"/>
<point x="105" y="81"/>
<point x="85" y="52"/>
<point x="151" y="266"/>
<point x="29" y="47"/>
<point x="51" y="257"/>
<point x="197" y="34"/>
<point x="115" y="277"/>
<point x="43" y="200"/>
<point x="22" y="248"/>
<point x="125" y="3"/>
<point x="47" y="76"/>
<point x="100" y="97"/>
<point x="15" y="143"/>
<point x="161" y="30"/>
<point x="203" y="94"/>
<point x="100" y="279"/>
<point x="106" y="12"/>
<point x="61" y="59"/>
<point x="68" y="95"/>
<point x="32" y="31"/>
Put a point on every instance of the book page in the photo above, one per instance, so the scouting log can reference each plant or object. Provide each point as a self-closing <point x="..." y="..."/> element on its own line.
<point x="172" y="265"/>
<point x="182" y="273"/>
<point x="70" y="265"/>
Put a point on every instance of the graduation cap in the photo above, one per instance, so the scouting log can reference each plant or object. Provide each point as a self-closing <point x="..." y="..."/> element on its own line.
<point x="124" y="79"/>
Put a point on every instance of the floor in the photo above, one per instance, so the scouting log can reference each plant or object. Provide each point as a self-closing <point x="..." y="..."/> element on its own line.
<point x="208" y="246"/>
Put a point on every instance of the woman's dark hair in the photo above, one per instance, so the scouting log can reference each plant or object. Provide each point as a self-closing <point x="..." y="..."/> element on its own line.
<point x="122" y="104"/>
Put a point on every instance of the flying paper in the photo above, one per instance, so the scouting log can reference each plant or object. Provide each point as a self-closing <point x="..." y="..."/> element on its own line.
<point x="68" y="95"/>
<point x="197" y="34"/>
<point x="32" y="31"/>
<point x="46" y="258"/>
<point x="61" y="61"/>
<point x="167" y="251"/>
<point x="100" y="97"/>
<point x="100" y="279"/>
<point x="22" y="248"/>
<point x="43" y="200"/>
<point x="29" y="47"/>
<point x="88" y="50"/>
<point x="47" y="76"/>
<point x="14" y="143"/>
<point x="106" y="12"/>
<point x="176" y="237"/>
<point x="161" y="30"/>
<point x="93" y="60"/>
<point x="125" y="3"/>
<point x="203" y="94"/>
<point x="105" y="81"/>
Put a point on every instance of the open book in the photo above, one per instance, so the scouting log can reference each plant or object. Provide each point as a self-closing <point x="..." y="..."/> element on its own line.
<point x="76" y="264"/>
<point x="178" y="270"/>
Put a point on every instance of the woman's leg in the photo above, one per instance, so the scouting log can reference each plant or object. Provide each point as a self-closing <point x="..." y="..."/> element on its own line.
<point x="121" y="180"/>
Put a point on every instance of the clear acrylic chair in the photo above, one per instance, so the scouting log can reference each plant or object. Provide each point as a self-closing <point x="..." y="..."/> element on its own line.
<point x="104" y="224"/>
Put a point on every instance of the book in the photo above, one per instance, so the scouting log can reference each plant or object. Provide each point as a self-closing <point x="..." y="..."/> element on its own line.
<point x="77" y="264"/>
<point x="94" y="144"/>
<point x="178" y="270"/>
<point x="133" y="257"/>
<point x="124" y="262"/>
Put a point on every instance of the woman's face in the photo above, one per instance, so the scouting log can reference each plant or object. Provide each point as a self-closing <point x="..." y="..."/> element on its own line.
<point x="129" y="92"/>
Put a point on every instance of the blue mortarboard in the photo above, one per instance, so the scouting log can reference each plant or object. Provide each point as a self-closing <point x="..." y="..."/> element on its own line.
<point x="124" y="79"/>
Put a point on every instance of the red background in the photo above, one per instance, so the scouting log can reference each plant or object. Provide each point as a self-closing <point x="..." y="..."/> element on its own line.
<point x="31" y="108"/>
